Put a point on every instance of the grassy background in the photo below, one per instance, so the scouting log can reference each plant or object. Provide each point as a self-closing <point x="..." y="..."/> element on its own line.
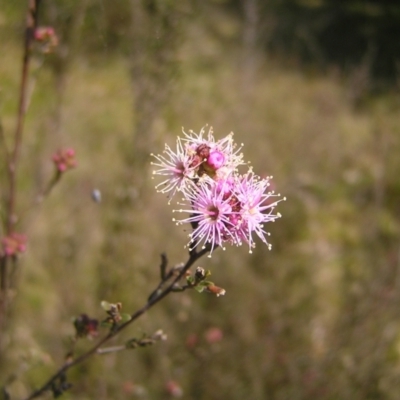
<point x="317" y="317"/>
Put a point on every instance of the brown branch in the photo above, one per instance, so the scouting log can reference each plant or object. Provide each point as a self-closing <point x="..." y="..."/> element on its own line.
<point x="13" y="158"/>
<point x="193" y="257"/>
<point x="13" y="155"/>
<point x="31" y="23"/>
<point x="4" y="142"/>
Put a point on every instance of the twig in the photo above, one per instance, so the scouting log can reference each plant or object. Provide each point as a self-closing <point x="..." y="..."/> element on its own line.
<point x="165" y="277"/>
<point x="193" y="257"/>
<point x="111" y="349"/>
<point x="31" y="23"/>
<point x="13" y="155"/>
<point x="163" y="266"/>
<point x="50" y="185"/>
<point x="4" y="142"/>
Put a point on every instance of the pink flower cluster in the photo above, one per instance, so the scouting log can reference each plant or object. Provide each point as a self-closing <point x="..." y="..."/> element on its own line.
<point x="46" y="36"/>
<point x="224" y="206"/>
<point x="64" y="159"/>
<point x="14" y="243"/>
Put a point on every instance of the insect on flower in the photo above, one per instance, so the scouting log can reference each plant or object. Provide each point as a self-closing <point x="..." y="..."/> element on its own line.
<point x="224" y="206"/>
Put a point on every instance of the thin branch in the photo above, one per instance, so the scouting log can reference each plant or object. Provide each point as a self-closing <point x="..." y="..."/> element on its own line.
<point x="50" y="185"/>
<point x="165" y="276"/>
<point x="15" y="151"/>
<point x="163" y="266"/>
<point x="4" y="142"/>
<point x="31" y="23"/>
<point x="193" y="257"/>
<point x="111" y="349"/>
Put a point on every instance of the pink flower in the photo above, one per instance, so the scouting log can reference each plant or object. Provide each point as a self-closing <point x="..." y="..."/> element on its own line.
<point x="229" y="211"/>
<point x="178" y="168"/>
<point x="224" y="206"/>
<point x="173" y="389"/>
<point x="195" y="157"/>
<point x="214" y="335"/>
<point x="64" y="159"/>
<point x="46" y="36"/>
<point x="214" y="154"/>
<point x="43" y="33"/>
<point x="209" y="214"/>
<point x="255" y="207"/>
<point x="14" y="244"/>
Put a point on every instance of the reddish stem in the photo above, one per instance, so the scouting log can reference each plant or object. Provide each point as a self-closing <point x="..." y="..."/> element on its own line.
<point x="13" y="156"/>
<point x="31" y="22"/>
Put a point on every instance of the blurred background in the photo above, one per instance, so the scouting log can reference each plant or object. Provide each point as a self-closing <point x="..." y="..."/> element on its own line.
<point x="311" y="87"/>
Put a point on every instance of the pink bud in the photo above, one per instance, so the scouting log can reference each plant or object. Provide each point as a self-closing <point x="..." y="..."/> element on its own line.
<point x="214" y="335"/>
<point x="174" y="389"/>
<point x="46" y="36"/>
<point x="50" y="31"/>
<point x="218" y="291"/>
<point x="216" y="159"/>
<point x="14" y="243"/>
<point x="64" y="159"/>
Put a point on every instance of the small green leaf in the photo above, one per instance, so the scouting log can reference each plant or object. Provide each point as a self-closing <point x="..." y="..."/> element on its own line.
<point x="206" y="283"/>
<point x="199" y="288"/>
<point x="190" y="280"/>
<point x="125" y="317"/>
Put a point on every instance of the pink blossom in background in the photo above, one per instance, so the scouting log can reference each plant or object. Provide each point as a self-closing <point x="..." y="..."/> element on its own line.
<point x="173" y="389"/>
<point x="214" y="335"/>
<point x="64" y="159"/>
<point x="47" y="38"/>
<point x="14" y="244"/>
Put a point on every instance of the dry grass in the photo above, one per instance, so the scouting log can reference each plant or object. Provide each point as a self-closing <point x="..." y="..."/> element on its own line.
<point x="314" y="318"/>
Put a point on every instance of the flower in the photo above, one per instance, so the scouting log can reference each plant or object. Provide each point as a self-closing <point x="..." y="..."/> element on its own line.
<point x="214" y="335"/>
<point x="224" y="206"/>
<point x="14" y="243"/>
<point x="43" y="33"/>
<point x="195" y="156"/>
<point x="46" y="36"/>
<point x="178" y="168"/>
<point x="209" y="215"/>
<point x="213" y="154"/>
<point x="173" y="389"/>
<point x="64" y="159"/>
<point x="255" y="207"/>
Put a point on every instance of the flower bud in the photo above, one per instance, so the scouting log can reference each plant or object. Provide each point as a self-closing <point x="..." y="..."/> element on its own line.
<point x="200" y="274"/>
<point x="214" y="335"/>
<point x="173" y="389"/>
<point x="46" y="36"/>
<point x="64" y="159"/>
<point x="216" y="160"/>
<point x="85" y="326"/>
<point x="14" y="243"/>
<point x="218" y="291"/>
